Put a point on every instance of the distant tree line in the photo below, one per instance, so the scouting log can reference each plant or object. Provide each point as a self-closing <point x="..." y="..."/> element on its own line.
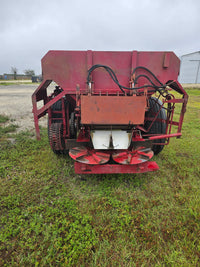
<point x="27" y="72"/>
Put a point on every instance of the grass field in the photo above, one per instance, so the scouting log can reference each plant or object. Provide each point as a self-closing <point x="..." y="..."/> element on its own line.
<point x="52" y="217"/>
<point x="15" y="82"/>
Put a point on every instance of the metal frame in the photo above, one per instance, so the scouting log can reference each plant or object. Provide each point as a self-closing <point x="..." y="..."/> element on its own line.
<point x="69" y="70"/>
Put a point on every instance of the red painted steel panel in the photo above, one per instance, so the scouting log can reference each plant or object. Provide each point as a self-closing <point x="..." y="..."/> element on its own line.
<point x="147" y="166"/>
<point x="108" y="110"/>
<point x="156" y="62"/>
<point x="69" y="68"/>
<point x="66" y="68"/>
<point x="166" y="61"/>
<point x="119" y="62"/>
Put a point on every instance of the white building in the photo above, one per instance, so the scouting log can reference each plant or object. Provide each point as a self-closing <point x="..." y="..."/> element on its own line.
<point x="190" y="68"/>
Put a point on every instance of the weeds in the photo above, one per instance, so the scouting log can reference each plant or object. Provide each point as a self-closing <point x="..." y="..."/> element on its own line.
<point x="15" y="82"/>
<point x="3" y="119"/>
<point x="53" y="217"/>
<point x="4" y="130"/>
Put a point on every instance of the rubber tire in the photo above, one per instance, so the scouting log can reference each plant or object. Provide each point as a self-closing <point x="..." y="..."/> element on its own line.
<point x="72" y="125"/>
<point x="56" y="107"/>
<point x="57" y="144"/>
<point x="158" y="127"/>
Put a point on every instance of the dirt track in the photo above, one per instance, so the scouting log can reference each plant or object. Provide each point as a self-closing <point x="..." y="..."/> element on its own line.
<point x="16" y="102"/>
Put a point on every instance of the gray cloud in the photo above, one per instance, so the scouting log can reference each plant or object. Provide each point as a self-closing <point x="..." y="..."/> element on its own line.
<point x="28" y="29"/>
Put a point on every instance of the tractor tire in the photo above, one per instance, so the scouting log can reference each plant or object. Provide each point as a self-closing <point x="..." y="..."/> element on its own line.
<point x="56" y="140"/>
<point x="57" y="107"/>
<point x="158" y="127"/>
<point x="55" y="131"/>
<point x="72" y="127"/>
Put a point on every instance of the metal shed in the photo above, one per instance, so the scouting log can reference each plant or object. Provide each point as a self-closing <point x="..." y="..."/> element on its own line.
<point x="190" y="68"/>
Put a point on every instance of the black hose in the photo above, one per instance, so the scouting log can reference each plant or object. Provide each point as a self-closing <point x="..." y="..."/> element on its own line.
<point x="109" y="70"/>
<point x="141" y="67"/>
<point x="145" y="76"/>
<point x="114" y="78"/>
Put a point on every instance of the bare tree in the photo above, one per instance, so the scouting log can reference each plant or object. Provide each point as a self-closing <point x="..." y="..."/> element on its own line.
<point x="29" y="72"/>
<point x="14" y="72"/>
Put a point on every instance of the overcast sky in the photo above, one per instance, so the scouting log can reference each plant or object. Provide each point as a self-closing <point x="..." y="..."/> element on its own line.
<point x="29" y="28"/>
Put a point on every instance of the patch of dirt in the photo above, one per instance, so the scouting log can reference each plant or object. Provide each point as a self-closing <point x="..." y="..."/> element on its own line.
<point x="16" y="102"/>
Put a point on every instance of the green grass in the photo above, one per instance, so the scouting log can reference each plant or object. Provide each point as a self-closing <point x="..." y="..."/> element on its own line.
<point x="6" y="129"/>
<point x="3" y="118"/>
<point x="51" y="216"/>
<point x="8" y="83"/>
<point x="16" y="82"/>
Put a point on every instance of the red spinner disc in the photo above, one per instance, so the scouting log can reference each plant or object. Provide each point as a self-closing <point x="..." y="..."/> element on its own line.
<point x="136" y="156"/>
<point x="89" y="156"/>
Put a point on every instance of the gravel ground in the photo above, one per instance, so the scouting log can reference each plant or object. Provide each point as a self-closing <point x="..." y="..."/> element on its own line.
<point x="16" y="102"/>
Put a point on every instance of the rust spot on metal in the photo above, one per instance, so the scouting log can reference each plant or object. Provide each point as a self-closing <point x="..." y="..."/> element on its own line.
<point x="108" y="110"/>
